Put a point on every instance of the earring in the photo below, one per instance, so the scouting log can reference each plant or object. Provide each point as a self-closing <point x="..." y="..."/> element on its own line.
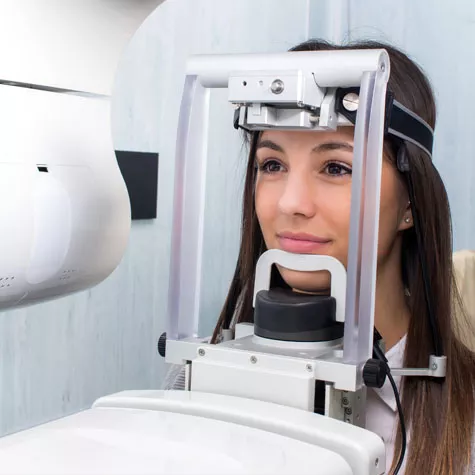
<point x="407" y="219"/>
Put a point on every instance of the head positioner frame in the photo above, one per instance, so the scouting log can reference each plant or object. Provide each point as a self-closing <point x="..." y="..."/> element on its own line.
<point x="308" y="99"/>
<point x="369" y="71"/>
<point x="336" y="105"/>
<point x="304" y="91"/>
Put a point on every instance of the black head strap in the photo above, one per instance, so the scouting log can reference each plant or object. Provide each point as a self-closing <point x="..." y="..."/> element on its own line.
<point x="399" y="121"/>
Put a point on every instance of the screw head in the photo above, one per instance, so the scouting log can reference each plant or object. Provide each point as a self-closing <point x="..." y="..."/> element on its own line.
<point x="309" y="367"/>
<point x="434" y="366"/>
<point x="253" y="360"/>
<point x="345" y="401"/>
<point x="201" y="352"/>
<point x="313" y="119"/>
<point x="348" y="411"/>
<point x="277" y="86"/>
<point x="351" y="101"/>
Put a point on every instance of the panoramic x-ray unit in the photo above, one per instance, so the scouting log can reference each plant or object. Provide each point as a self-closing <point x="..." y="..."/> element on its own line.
<point x="283" y="395"/>
<point x="64" y="213"/>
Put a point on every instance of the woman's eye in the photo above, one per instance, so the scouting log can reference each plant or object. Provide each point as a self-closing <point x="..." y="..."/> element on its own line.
<point x="270" y="166"/>
<point x="337" y="169"/>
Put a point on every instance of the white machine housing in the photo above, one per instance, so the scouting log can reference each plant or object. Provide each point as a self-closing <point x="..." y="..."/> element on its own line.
<point x="64" y="208"/>
<point x="65" y="211"/>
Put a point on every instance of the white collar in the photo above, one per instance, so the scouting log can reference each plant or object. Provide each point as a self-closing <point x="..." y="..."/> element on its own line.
<point x="395" y="357"/>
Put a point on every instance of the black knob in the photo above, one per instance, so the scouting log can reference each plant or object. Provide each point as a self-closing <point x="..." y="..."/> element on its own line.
<point x="374" y="373"/>
<point x="162" y="344"/>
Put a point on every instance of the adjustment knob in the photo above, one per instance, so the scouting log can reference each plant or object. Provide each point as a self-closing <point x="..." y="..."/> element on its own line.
<point x="374" y="373"/>
<point x="162" y="344"/>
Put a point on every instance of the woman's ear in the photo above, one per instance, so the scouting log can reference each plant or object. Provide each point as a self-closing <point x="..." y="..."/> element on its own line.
<point x="406" y="220"/>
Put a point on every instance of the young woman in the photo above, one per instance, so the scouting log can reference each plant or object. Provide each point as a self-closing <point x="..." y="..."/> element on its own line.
<point x="297" y="198"/>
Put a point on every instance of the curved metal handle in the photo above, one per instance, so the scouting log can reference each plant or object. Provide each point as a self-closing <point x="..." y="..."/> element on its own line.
<point x="303" y="263"/>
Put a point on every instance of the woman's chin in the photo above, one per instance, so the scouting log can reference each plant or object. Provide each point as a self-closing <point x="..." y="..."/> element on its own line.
<point x="309" y="282"/>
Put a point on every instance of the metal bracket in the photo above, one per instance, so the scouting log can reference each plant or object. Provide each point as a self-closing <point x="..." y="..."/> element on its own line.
<point x="437" y="368"/>
<point x="347" y="406"/>
<point x="328" y="115"/>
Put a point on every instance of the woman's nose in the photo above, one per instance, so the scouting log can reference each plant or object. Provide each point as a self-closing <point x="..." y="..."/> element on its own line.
<point x="298" y="197"/>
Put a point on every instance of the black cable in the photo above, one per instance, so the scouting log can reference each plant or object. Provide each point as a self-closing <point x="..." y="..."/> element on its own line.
<point x="436" y="340"/>
<point x="380" y="355"/>
<point x="401" y="422"/>
<point x="404" y="167"/>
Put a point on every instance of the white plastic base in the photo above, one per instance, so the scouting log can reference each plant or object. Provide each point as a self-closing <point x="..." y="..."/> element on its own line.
<point x="157" y="432"/>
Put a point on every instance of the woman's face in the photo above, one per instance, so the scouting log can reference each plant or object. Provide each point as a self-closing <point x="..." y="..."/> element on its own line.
<point x="303" y="199"/>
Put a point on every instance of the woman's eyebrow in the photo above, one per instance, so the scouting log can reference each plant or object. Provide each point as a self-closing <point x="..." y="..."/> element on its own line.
<point x="271" y="145"/>
<point x="323" y="147"/>
<point x="329" y="146"/>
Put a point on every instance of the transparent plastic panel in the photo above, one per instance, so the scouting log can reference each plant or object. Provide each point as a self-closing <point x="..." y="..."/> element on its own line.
<point x="209" y="178"/>
<point x="355" y="242"/>
<point x="188" y="213"/>
<point x="369" y="248"/>
<point x="364" y="224"/>
<point x="226" y="169"/>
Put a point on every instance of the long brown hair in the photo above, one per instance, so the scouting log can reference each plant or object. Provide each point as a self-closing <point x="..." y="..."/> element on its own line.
<point x="440" y="414"/>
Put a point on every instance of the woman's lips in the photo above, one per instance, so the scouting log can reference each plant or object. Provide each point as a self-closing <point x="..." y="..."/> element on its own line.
<point x="302" y="243"/>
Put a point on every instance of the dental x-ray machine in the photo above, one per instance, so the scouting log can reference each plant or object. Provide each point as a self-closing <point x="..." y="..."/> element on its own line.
<point x="284" y="395"/>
